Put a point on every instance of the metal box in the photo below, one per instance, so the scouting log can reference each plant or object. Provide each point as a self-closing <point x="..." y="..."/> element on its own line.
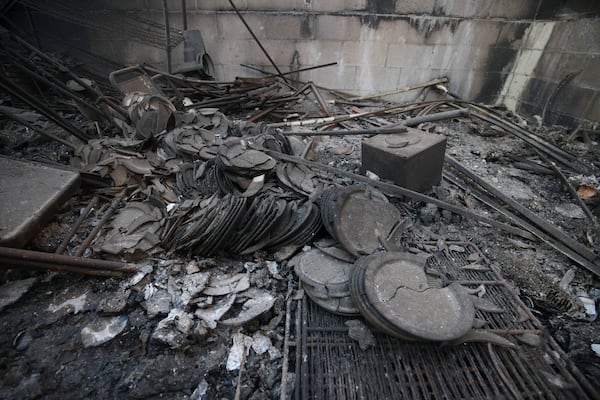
<point x="413" y="159"/>
<point x="30" y="194"/>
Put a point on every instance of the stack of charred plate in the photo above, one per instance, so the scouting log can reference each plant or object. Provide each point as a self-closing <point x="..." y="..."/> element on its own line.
<point x="237" y="165"/>
<point x="392" y="292"/>
<point x="360" y="218"/>
<point x="325" y="277"/>
<point x="239" y="224"/>
<point x="390" y="289"/>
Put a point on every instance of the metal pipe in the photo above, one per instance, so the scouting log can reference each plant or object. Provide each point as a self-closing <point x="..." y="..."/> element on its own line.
<point x="114" y="105"/>
<point x="167" y="35"/>
<point x="29" y="125"/>
<point x="41" y="108"/>
<point x="395" y="190"/>
<point x="570" y="187"/>
<point x="289" y="72"/>
<point x="257" y="41"/>
<point x="63" y="245"/>
<point x="105" y="218"/>
<point x="401" y="90"/>
<point x="49" y="266"/>
<point x="351" y="132"/>
<point x="534" y="218"/>
<point x="9" y="253"/>
<point x="184" y="14"/>
<point x="557" y="245"/>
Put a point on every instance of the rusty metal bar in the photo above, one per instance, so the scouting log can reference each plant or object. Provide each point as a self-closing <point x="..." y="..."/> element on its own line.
<point x="105" y="218"/>
<point x="9" y="254"/>
<point x="401" y="90"/>
<point x="320" y="99"/>
<point x="184" y="14"/>
<point x="19" y="93"/>
<point x="167" y="34"/>
<point x="63" y="245"/>
<point x="58" y="267"/>
<point x="352" y="132"/>
<point x="110" y="102"/>
<point x="400" y="191"/>
<point x="29" y="125"/>
<point x="289" y="72"/>
<point x="544" y="225"/>
<point x="257" y="41"/>
<point x="570" y="187"/>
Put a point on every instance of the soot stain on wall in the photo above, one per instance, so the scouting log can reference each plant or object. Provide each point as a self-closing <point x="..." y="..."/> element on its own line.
<point x="499" y="60"/>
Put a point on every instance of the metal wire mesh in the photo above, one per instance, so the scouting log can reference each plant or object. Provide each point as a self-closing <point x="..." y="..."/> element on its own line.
<point x="332" y="366"/>
<point x="138" y="29"/>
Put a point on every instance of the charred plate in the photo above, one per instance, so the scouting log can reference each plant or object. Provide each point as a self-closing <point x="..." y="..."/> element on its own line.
<point x="235" y="212"/>
<point x="367" y="310"/>
<point x="298" y="178"/>
<point x="268" y="221"/>
<point x="321" y="271"/>
<point x="263" y="236"/>
<point x="332" y="248"/>
<point x="337" y="305"/>
<point x="396" y="286"/>
<point x="245" y="224"/>
<point x="260" y="209"/>
<point x="304" y="220"/>
<point x="364" y="219"/>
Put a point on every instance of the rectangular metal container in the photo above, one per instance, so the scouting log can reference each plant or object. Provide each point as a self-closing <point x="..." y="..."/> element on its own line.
<point x="412" y="160"/>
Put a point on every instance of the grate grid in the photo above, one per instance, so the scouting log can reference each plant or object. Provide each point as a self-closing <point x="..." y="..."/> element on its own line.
<point x="334" y="367"/>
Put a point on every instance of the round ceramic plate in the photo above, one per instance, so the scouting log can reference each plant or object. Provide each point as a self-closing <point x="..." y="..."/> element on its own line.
<point x="396" y="287"/>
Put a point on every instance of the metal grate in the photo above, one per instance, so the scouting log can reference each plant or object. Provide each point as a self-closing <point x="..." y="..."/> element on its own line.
<point x="332" y="366"/>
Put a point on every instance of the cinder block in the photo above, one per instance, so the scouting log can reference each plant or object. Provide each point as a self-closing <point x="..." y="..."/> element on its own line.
<point x="283" y="26"/>
<point x="362" y="53"/>
<point x="207" y="24"/>
<point x="377" y="79"/>
<point x="415" y="6"/>
<point x="517" y="10"/>
<point x="337" y="5"/>
<point x="231" y="27"/>
<point x="478" y="32"/>
<point x="237" y="52"/>
<point x="468" y="8"/>
<point x="408" y="55"/>
<point x="337" y="27"/>
<point x="400" y="30"/>
<point x="412" y="160"/>
<point x="215" y="5"/>
<point x="315" y="52"/>
<point x="341" y="77"/>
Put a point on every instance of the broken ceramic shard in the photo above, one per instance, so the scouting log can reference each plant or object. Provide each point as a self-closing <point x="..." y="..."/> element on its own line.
<point x="226" y="284"/>
<point x="259" y="302"/>
<point x="11" y="292"/>
<point x="103" y="330"/>
<point x="174" y="329"/>
<point x="211" y="315"/>
<point x="361" y="333"/>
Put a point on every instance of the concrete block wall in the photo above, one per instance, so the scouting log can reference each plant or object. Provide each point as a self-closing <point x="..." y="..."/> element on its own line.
<point x="489" y="49"/>
<point x="566" y="79"/>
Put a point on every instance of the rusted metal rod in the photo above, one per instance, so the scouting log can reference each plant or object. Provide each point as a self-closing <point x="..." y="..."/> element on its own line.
<point x="63" y="245"/>
<point x="46" y="266"/>
<point x="9" y="254"/>
<point x="257" y="41"/>
<point x="29" y="125"/>
<point x="105" y="218"/>
<point x="395" y="190"/>
<point x="351" y="132"/>
<point x="289" y="72"/>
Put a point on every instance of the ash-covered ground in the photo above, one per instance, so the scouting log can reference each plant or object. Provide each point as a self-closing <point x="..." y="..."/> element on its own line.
<point x="159" y="353"/>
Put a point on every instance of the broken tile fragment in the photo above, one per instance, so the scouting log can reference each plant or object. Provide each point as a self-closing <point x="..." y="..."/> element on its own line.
<point x="103" y="330"/>
<point x="11" y="292"/>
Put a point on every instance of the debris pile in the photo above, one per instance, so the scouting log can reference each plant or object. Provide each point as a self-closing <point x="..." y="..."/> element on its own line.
<point x="186" y="169"/>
